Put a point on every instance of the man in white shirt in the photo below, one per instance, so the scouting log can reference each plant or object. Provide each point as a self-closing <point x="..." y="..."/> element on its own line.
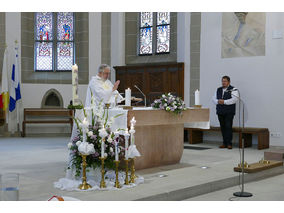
<point x="102" y="88"/>
<point x="225" y="99"/>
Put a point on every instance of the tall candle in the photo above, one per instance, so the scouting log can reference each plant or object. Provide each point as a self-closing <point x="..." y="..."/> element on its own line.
<point x="75" y="97"/>
<point x="85" y="125"/>
<point x="116" y="146"/>
<point x="103" y="148"/>
<point x="128" y="97"/>
<point x="126" y="135"/>
<point x="197" y="97"/>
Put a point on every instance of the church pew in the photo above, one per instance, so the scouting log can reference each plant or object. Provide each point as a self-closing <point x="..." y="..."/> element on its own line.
<point x="196" y="135"/>
<point x="42" y="113"/>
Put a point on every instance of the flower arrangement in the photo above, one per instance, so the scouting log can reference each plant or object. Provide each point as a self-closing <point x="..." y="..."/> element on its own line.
<point x="92" y="136"/>
<point x="170" y="103"/>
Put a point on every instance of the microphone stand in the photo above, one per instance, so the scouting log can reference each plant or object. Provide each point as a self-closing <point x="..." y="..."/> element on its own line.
<point x="142" y="94"/>
<point x="242" y="193"/>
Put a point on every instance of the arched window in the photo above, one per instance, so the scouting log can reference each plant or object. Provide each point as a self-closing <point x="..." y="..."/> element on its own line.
<point x="54" y="41"/>
<point x="161" y="42"/>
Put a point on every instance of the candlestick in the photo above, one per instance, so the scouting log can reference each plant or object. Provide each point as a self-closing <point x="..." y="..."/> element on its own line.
<point x="128" y="97"/>
<point x="84" y="185"/>
<point x="132" y="176"/>
<point x="126" y="172"/>
<point x="103" y="184"/>
<point x="117" y="185"/>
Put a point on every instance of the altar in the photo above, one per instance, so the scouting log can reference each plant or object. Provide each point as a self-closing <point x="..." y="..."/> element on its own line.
<point x="160" y="134"/>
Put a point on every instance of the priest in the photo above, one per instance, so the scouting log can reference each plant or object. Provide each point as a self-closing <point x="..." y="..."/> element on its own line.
<point x="102" y="88"/>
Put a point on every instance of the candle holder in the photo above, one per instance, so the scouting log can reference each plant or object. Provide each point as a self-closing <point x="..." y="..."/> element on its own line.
<point x="132" y="176"/>
<point x="103" y="184"/>
<point x="84" y="185"/>
<point x="126" y="172"/>
<point x="117" y="185"/>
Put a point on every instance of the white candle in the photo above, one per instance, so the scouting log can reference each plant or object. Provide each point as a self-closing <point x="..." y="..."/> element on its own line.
<point x="84" y="134"/>
<point x="75" y="97"/>
<point x="132" y="137"/>
<point x="85" y="125"/>
<point x="103" y="148"/>
<point x="116" y="146"/>
<point x="197" y="97"/>
<point x="128" y="97"/>
<point x="126" y="135"/>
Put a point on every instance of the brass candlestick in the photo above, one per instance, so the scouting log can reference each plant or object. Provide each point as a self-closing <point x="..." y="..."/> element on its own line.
<point x="117" y="185"/>
<point x="132" y="176"/>
<point x="84" y="185"/>
<point x="103" y="184"/>
<point x="126" y="172"/>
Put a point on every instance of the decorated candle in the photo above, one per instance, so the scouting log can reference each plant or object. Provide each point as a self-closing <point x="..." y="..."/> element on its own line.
<point x="132" y="131"/>
<point x="197" y="97"/>
<point x="85" y="125"/>
<point x="75" y="97"/>
<point x="126" y="135"/>
<point x="116" y="145"/>
<point x="103" y="148"/>
<point x="128" y="97"/>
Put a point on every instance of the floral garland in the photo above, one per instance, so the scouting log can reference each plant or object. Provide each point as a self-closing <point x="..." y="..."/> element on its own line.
<point x="170" y="103"/>
<point x="100" y="122"/>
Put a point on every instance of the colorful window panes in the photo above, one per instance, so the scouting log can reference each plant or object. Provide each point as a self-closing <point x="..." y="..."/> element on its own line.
<point x="64" y="55"/>
<point x="58" y="53"/>
<point x="146" y="19"/>
<point x="163" y="39"/>
<point x="44" y="26"/>
<point x="65" y="26"/>
<point x="146" y="35"/>
<point x="43" y="55"/>
<point x="163" y="18"/>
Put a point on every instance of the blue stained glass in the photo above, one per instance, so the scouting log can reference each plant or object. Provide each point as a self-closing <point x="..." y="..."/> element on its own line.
<point x="163" y="18"/>
<point x="146" y="19"/>
<point x="44" y="26"/>
<point x="163" y="39"/>
<point x="146" y="35"/>
<point x="65" y="26"/>
<point x="65" y="55"/>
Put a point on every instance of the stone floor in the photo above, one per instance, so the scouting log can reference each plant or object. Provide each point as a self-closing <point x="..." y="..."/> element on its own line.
<point x="270" y="189"/>
<point x="42" y="161"/>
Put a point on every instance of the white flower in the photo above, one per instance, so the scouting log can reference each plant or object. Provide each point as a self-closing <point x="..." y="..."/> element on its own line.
<point x="163" y="96"/>
<point x="111" y="149"/>
<point x="168" y="108"/>
<point x="90" y="133"/>
<point x="175" y="107"/>
<point x="69" y="145"/>
<point x="165" y="105"/>
<point x="109" y="139"/>
<point x="78" y="143"/>
<point x="105" y="155"/>
<point x="103" y="133"/>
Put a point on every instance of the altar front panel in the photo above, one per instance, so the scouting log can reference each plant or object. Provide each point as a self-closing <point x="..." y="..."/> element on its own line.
<point x="159" y="135"/>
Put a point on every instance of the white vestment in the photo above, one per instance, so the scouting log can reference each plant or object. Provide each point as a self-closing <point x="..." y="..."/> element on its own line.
<point x="102" y="91"/>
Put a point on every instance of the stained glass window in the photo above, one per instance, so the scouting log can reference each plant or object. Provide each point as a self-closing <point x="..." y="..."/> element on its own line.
<point x="146" y="33"/>
<point x="54" y="41"/>
<point x="163" y="32"/>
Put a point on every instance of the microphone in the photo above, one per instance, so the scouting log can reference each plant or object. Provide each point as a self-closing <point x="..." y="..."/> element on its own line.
<point x="142" y="94"/>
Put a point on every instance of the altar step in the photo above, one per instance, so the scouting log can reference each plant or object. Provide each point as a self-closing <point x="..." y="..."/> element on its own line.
<point x="197" y="190"/>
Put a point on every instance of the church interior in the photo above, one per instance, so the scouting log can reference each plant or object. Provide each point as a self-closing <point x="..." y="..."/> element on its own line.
<point x="56" y="69"/>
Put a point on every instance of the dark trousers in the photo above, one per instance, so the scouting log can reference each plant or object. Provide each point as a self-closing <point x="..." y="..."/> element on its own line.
<point x="226" y="124"/>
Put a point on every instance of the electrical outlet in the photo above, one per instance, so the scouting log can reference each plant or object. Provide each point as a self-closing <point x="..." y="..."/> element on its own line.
<point x="276" y="134"/>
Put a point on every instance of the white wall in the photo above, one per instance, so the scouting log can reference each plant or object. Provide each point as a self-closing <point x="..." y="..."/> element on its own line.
<point x="32" y="94"/>
<point x="260" y="79"/>
<point x="183" y="50"/>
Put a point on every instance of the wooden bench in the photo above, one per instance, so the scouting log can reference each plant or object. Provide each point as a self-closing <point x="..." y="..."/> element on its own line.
<point x="196" y="135"/>
<point x="51" y="113"/>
